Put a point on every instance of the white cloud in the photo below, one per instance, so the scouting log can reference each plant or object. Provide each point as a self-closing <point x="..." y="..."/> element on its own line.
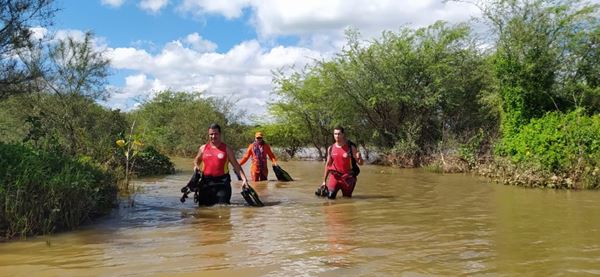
<point x="244" y="72"/>
<point x="112" y="3"/>
<point x="153" y="6"/>
<point x="309" y="17"/>
<point x="38" y="33"/>
<point x="199" y="44"/>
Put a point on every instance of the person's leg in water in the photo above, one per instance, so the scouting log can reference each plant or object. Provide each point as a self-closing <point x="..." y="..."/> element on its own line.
<point x="348" y="183"/>
<point x="207" y="195"/>
<point x="254" y="175"/>
<point x="223" y="190"/>
<point x="216" y="192"/>
<point x="257" y="174"/>
<point x="263" y="174"/>
<point x="223" y="194"/>
<point x="333" y="185"/>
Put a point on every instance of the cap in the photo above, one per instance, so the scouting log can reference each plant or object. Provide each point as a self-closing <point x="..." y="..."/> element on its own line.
<point x="258" y="135"/>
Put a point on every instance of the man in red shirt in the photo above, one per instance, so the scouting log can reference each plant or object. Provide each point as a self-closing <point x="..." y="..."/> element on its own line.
<point x="212" y="160"/>
<point x="339" y="165"/>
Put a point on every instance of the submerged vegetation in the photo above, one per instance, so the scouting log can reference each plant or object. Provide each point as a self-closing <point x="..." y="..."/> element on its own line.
<point x="43" y="191"/>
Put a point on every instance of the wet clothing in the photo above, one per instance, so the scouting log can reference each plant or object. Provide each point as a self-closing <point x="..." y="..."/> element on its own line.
<point x="340" y="171"/>
<point x="215" y="186"/>
<point x="259" y="153"/>
<point x="214" y="190"/>
<point x="214" y="160"/>
<point x="345" y="183"/>
<point x="342" y="162"/>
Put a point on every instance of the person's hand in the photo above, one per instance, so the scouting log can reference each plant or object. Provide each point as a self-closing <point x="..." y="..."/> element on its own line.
<point x="323" y="184"/>
<point x="275" y="164"/>
<point x="245" y="183"/>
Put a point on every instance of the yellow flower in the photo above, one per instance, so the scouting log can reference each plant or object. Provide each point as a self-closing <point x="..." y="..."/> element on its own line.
<point x="120" y="143"/>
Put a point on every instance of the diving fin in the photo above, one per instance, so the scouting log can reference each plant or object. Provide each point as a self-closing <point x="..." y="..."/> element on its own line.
<point x="281" y="174"/>
<point x="251" y="196"/>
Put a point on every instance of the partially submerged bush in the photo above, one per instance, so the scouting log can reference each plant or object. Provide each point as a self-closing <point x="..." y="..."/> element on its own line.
<point x="151" y="162"/>
<point x="563" y="147"/>
<point x="42" y="192"/>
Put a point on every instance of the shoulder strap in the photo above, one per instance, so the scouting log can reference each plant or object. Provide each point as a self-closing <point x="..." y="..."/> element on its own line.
<point x="350" y="145"/>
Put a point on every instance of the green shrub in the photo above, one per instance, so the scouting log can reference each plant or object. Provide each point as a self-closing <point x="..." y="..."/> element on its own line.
<point x="566" y="145"/>
<point x="151" y="162"/>
<point x="42" y="192"/>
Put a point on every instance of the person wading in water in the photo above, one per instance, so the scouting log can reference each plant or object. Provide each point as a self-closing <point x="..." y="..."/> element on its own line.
<point x="259" y="150"/>
<point x="340" y="165"/>
<point x="212" y="160"/>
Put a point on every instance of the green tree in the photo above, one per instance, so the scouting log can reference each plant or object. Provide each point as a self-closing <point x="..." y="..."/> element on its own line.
<point x="17" y="17"/>
<point x="176" y="122"/>
<point x="546" y="57"/>
<point x="307" y="103"/>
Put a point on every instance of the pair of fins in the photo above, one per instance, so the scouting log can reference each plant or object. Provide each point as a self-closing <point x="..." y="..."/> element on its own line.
<point x="281" y="174"/>
<point x="192" y="186"/>
<point x="249" y="194"/>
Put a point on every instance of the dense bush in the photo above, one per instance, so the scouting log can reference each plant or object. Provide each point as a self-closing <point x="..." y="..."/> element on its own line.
<point x="42" y="192"/>
<point x="151" y="162"/>
<point x="566" y="145"/>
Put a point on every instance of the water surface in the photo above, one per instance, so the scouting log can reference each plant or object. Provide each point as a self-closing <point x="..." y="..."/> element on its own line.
<point x="399" y="223"/>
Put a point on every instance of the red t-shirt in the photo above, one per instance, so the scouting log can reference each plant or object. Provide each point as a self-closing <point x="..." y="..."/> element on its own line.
<point x="342" y="162"/>
<point x="214" y="160"/>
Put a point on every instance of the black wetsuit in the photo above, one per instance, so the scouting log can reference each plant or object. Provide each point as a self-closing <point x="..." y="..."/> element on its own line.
<point x="214" y="190"/>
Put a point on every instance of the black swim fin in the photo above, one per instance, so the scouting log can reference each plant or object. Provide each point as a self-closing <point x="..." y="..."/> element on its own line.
<point x="251" y="196"/>
<point x="281" y="174"/>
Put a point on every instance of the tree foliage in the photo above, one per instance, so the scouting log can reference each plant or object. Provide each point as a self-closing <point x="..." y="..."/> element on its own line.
<point x="177" y="122"/>
<point x="17" y="17"/>
<point x="546" y="57"/>
<point x="409" y="89"/>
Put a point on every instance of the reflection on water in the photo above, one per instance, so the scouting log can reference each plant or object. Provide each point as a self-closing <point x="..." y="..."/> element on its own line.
<point x="399" y="223"/>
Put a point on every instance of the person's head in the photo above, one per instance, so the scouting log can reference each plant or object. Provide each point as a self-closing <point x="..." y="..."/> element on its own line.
<point x="214" y="133"/>
<point x="258" y="137"/>
<point x="338" y="134"/>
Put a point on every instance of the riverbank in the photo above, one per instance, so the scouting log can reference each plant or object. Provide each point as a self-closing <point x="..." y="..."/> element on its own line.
<point x="498" y="169"/>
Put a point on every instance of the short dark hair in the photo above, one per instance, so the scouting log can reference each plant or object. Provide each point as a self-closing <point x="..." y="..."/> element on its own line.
<point x="215" y="126"/>
<point x="339" y="128"/>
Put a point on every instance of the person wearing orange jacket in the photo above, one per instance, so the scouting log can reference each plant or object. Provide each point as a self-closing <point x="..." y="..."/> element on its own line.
<point x="259" y="150"/>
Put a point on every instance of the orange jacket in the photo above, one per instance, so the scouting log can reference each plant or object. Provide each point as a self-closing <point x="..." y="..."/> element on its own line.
<point x="267" y="152"/>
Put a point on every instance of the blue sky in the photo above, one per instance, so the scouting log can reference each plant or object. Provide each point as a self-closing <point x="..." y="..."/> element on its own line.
<point x="127" y="24"/>
<point x="228" y="48"/>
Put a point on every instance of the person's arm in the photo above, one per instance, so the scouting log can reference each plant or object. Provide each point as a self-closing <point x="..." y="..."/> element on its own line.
<point x="246" y="155"/>
<point x="236" y="166"/>
<point x="357" y="155"/>
<point x="198" y="158"/>
<point x="270" y="154"/>
<point x="327" y="165"/>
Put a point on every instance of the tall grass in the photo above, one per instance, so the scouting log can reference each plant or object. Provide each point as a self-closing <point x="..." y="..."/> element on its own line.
<point x="42" y="192"/>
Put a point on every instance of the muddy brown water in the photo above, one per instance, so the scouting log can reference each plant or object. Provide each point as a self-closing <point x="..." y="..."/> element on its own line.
<point x="400" y="222"/>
